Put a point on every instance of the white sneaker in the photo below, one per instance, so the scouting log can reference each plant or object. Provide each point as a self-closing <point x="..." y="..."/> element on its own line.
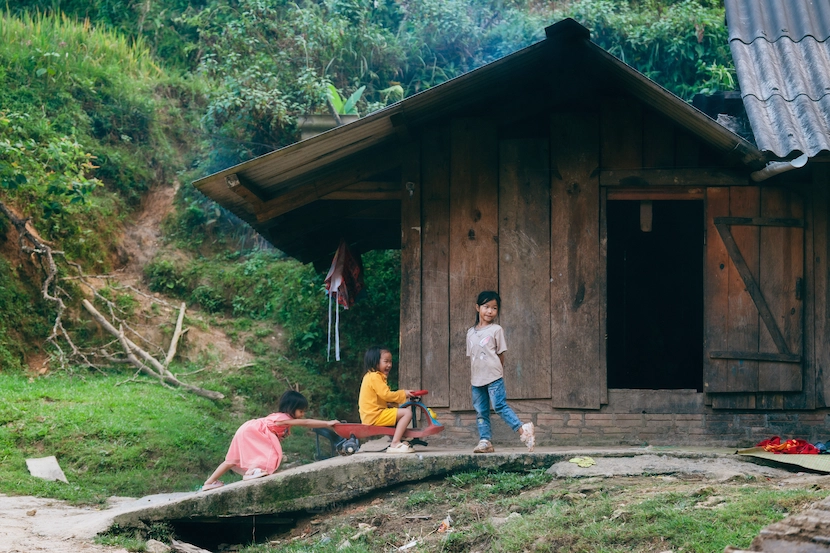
<point x="528" y="435"/>
<point x="402" y="447"/>
<point x="484" y="446"/>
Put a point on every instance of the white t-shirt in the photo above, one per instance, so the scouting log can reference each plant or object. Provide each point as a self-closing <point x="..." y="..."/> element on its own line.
<point x="483" y="348"/>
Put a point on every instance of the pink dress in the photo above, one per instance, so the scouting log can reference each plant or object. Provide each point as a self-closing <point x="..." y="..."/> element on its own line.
<point x="257" y="444"/>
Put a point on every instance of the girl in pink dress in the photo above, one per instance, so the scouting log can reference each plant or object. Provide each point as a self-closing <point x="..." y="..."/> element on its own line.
<point x="255" y="450"/>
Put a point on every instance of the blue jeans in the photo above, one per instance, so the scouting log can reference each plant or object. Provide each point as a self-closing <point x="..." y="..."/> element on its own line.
<point x="482" y="397"/>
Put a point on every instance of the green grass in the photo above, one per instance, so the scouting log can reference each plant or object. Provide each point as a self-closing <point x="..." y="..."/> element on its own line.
<point x="130" y="439"/>
<point x="641" y="514"/>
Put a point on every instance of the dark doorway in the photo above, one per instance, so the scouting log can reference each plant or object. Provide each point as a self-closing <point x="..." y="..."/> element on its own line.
<point x="655" y="294"/>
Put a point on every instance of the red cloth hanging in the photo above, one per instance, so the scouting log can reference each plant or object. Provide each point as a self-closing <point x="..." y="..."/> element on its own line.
<point x="344" y="282"/>
<point x="345" y="277"/>
<point x="775" y="445"/>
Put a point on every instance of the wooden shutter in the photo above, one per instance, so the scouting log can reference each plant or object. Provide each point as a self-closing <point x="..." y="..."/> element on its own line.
<point x="753" y="293"/>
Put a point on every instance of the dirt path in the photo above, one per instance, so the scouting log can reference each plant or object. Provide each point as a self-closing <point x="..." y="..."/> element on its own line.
<point x="31" y="524"/>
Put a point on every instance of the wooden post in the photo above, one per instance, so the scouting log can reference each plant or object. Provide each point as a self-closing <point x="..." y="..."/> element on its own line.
<point x="409" y="365"/>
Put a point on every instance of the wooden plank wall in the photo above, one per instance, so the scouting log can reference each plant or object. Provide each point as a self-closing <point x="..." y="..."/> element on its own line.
<point x="742" y="315"/>
<point x="782" y="251"/>
<point x="435" y="314"/>
<point x="409" y="364"/>
<point x="474" y="172"/>
<point x="579" y="374"/>
<point x="716" y="291"/>
<point x="524" y="265"/>
<point x="821" y="273"/>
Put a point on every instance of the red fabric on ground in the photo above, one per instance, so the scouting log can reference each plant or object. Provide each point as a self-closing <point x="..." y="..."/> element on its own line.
<point x="794" y="446"/>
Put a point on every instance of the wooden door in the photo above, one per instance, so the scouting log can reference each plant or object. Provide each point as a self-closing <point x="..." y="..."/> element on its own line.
<point x="753" y="295"/>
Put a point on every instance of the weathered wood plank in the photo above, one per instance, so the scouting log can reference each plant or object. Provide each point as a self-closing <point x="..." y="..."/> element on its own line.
<point x="367" y="190"/>
<point x="756" y="356"/>
<point x="579" y="374"/>
<point x="602" y="275"/>
<point x="409" y="365"/>
<point x="742" y="326"/>
<point x="621" y="135"/>
<point x="435" y="282"/>
<point x="687" y="151"/>
<point x="361" y="167"/>
<point x="682" y="176"/>
<point x="782" y="263"/>
<point x="821" y="274"/>
<point x="753" y="287"/>
<point x="807" y="398"/>
<point x="759" y="221"/>
<point x="524" y="265"/>
<point x="474" y="231"/>
<point x="658" y="140"/>
<point x="674" y="193"/>
<point x="715" y="293"/>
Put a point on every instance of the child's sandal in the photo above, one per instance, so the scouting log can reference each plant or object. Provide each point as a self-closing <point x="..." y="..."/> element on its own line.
<point x="212" y="486"/>
<point x="254" y="473"/>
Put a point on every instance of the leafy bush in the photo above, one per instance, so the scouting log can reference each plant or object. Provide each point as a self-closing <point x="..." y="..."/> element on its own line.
<point x="682" y="45"/>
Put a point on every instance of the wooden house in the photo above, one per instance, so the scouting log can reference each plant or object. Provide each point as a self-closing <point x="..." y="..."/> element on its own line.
<point x="652" y="291"/>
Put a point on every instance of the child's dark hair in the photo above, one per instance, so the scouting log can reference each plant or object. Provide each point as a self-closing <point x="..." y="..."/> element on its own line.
<point x="291" y="401"/>
<point x="484" y="297"/>
<point x="372" y="358"/>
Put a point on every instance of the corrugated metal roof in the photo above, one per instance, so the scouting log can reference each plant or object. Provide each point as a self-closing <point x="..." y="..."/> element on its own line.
<point x="782" y="58"/>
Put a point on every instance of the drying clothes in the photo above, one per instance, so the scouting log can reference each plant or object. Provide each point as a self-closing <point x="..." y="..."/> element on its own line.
<point x="794" y="446"/>
<point x="344" y="282"/>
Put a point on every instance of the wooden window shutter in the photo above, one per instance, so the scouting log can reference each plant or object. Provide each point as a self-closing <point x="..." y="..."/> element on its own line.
<point x="753" y="292"/>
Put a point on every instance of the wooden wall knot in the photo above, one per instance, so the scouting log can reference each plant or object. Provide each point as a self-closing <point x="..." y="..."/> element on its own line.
<point x="572" y="189"/>
<point x="471" y="235"/>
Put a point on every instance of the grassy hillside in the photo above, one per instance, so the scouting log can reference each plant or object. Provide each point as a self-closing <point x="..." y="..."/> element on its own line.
<point x="105" y="103"/>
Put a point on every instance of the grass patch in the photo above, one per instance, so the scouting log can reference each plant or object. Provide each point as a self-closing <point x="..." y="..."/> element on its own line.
<point x="514" y="512"/>
<point x="130" y="439"/>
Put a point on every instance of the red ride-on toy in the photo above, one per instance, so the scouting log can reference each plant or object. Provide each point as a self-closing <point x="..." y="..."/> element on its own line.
<point x="345" y="437"/>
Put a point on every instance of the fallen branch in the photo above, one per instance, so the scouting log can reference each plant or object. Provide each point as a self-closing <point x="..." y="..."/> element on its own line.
<point x="155" y="369"/>
<point x="174" y="342"/>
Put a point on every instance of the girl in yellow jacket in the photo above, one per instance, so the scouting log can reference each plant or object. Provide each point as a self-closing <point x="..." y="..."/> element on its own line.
<point x="375" y="395"/>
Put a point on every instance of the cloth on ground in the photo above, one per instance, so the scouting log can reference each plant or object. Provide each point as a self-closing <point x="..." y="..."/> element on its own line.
<point x="792" y="446"/>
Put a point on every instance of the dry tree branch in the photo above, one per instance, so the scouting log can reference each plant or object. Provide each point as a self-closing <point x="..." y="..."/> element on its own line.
<point x="174" y="341"/>
<point x="156" y="369"/>
<point x="42" y="252"/>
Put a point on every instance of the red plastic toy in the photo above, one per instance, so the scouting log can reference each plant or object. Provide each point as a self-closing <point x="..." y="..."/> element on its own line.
<point x="363" y="431"/>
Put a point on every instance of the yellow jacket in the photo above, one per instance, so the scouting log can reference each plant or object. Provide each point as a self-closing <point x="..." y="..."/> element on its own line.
<point x="374" y="395"/>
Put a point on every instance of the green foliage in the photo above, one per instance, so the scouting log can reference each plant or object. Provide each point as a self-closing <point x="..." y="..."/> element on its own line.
<point x="682" y="45"/>
<point x="158" y="24"/>
<point x="344" y="107"/>
<point x="263" y="286"/>
<point x="86" y="124"/>
<point x="22" y="318"/>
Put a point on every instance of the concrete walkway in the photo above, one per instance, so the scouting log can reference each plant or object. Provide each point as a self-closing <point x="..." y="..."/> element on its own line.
<point x="320" y="485"/>
<point x="338" y="480"/>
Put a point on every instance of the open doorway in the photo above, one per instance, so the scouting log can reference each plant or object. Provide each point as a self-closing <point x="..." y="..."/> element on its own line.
<point x="655" y="294"/>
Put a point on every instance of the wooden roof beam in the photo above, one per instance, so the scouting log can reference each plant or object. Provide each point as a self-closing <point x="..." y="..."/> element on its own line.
<point x="367" y="190"/>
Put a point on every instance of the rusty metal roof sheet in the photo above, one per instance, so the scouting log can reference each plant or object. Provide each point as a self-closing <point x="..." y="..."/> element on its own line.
<point x="782" y="57"/>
